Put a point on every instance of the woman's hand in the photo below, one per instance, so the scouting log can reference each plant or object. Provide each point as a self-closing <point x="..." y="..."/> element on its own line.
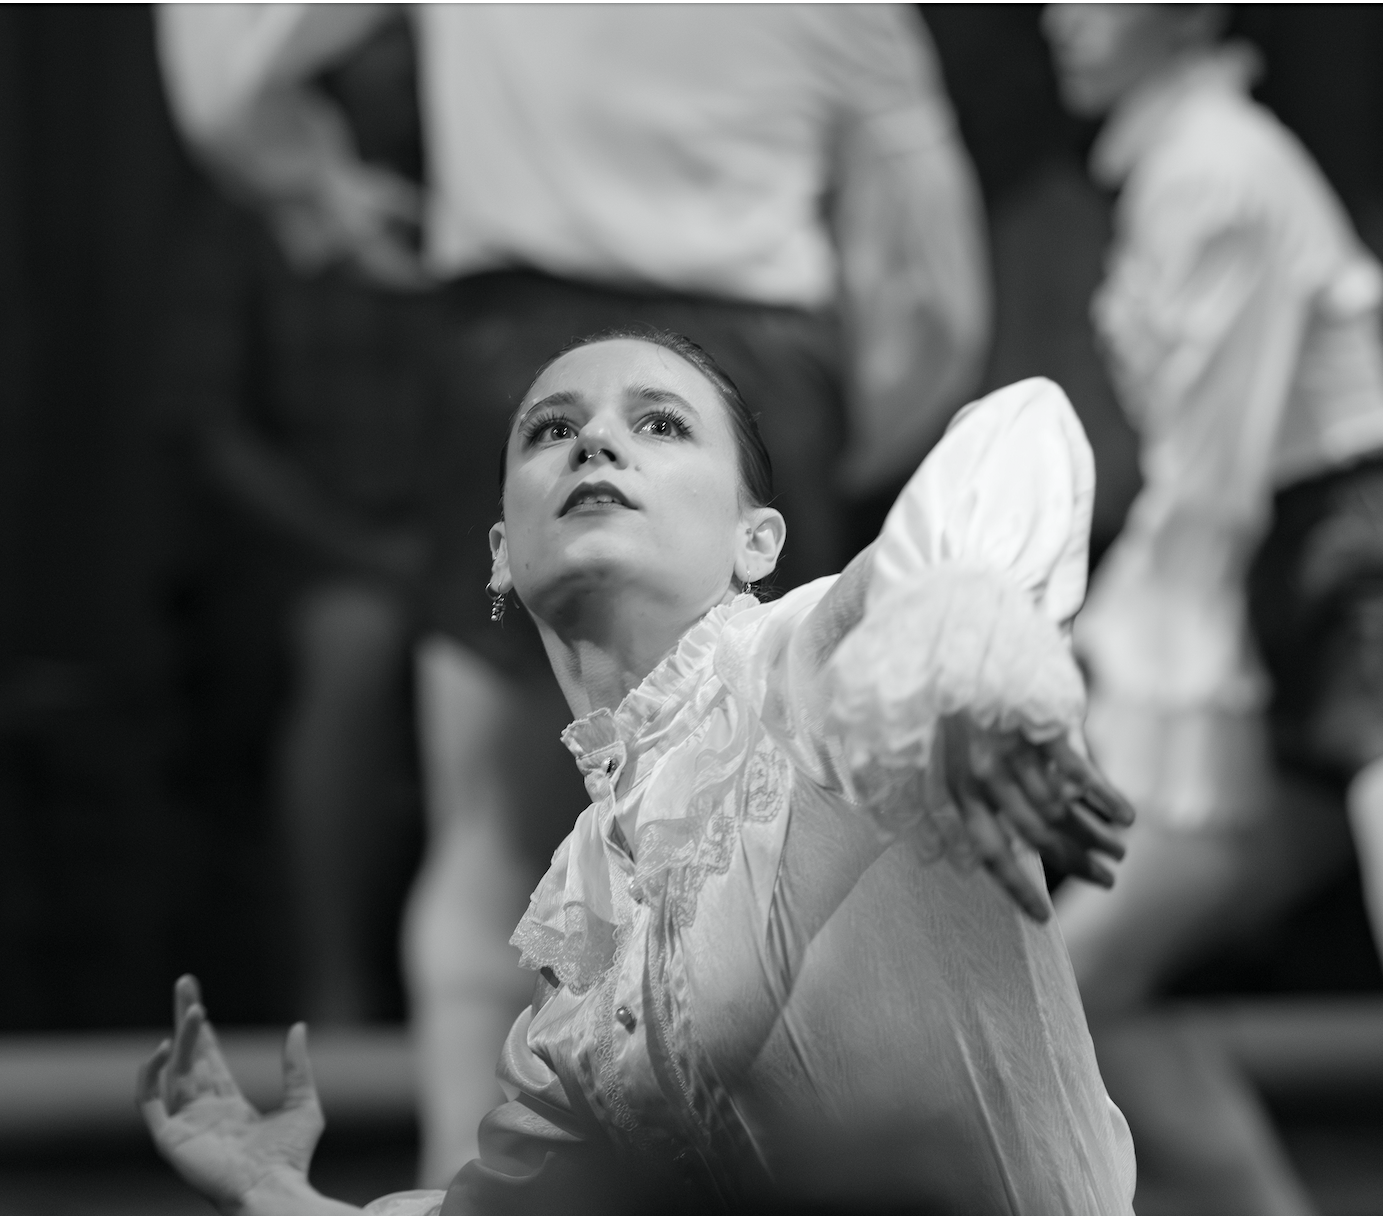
<point x="242" y="1161"/>
<point x="1005" y="786"/>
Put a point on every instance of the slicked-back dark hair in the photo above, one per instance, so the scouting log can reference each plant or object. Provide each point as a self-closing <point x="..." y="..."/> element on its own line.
<point x="756" y="468"/>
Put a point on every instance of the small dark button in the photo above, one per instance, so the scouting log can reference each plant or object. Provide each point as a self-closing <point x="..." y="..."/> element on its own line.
<point x="610" y="767"/>
<point x="625" y="1018"/>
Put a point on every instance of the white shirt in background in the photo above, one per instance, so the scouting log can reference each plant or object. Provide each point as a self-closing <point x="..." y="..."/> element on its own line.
<point x="688" y="147"/>
<point x="1240" y="317"/>
<point x="786" y="154"/>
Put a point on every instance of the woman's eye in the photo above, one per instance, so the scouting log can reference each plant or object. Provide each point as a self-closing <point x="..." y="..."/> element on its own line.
<point x="664" y="425"/>
<point x="545" y="430"/>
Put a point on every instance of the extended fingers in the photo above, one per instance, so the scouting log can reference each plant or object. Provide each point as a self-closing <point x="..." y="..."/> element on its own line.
<point x="1066" y="843"/>
<point x="1069" y="820"/>
<point x="1008" y="795"/>
<point x="996" y="851"/>
<point x="1071" y="858"/>
<point x="186" y="993"/>
<point x="1091" y="787"/>
<point x="197" y="1066"/>
<point x="146" y="1086"/>
<point x="195" y="1045"/>
<point x="1092" y="833"/>
<point x="1041" y="785"/>
<point x="189" y="1028"/>
<point x="1064" y="809"/>
<point x="299" y="1089"/>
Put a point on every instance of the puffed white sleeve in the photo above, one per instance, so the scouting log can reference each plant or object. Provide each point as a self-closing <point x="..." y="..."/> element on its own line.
<point x="975" y="578"/>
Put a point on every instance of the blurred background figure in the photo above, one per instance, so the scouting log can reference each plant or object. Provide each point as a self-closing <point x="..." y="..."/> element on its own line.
<point x="784" y="185"/>
<point x="1048" y="228"/>
<point x="302" y="393"/>
<point x="1240" y="317"/>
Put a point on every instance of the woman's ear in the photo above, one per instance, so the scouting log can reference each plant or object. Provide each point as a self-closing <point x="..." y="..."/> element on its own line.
<point x="501" y="581"/>
<point x="761" y="540"/>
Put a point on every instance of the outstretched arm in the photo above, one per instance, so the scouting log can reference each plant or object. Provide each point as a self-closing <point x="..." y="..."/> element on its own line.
<point x="244" y="1162"/>
<point x="1005" y="787"/>
<point x="941" y="646"/>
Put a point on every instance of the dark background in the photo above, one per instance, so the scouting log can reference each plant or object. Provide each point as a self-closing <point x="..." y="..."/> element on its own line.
<point x="139" y="667"/>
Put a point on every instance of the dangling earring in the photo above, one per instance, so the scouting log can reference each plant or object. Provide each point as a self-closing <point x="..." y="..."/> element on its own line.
<point x="497" y="599"/>
<point x="748" y="589"/>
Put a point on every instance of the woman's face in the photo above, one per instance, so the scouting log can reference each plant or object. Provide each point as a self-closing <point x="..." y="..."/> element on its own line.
<point x="623" y="474"/>
<point x="1103" y="51"/>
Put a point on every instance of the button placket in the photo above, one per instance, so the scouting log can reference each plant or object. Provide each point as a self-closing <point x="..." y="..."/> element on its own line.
<point x="602" y="769"/>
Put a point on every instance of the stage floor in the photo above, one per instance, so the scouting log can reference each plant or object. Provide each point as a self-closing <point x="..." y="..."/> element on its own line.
<point x="71" y="1143"/>
<point x="136" y="1184"/>
<point x="1341" y="1164"/>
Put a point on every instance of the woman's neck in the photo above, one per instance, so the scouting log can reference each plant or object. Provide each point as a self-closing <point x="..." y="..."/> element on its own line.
<point x="601" y="648"/>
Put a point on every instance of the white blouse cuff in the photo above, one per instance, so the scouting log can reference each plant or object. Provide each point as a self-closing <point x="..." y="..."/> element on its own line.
<point x="979" y="569"/>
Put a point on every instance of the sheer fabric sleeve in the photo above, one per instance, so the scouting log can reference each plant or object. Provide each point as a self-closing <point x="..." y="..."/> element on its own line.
<point x="963" y="603"/>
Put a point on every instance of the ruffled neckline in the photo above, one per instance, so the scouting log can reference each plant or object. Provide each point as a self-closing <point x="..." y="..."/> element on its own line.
<point x="1138" y="120"/>
<point x="579" y="908"/>
<point x="647" y="707"/>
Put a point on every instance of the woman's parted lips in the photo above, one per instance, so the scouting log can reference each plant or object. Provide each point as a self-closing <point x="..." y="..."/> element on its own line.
<point x="592" y="491"/>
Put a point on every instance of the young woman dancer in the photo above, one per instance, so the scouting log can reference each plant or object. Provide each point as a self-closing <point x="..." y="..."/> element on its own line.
<point x="768" y="969"/>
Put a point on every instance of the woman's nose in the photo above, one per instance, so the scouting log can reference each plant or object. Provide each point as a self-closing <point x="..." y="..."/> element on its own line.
<point x="596" y="442"/>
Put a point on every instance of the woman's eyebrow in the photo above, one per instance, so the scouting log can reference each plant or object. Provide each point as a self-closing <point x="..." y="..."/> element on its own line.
<point x="564" y="396"/>
<point x="657" y="396"/>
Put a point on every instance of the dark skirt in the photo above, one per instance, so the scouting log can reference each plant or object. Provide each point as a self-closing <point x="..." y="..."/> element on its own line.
<point x="1316" y="605"/>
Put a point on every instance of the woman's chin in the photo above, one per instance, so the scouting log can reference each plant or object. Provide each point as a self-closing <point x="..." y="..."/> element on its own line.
<point x="581" y="578"/>
<point x="600" y="582"/>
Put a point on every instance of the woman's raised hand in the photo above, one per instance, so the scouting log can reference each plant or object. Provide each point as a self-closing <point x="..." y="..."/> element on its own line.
<point x="1007" y="787"/>
<point x="241" y="1160"/>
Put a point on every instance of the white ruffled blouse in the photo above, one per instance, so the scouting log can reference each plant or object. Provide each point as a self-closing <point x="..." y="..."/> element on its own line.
<point x="768" y="958"/>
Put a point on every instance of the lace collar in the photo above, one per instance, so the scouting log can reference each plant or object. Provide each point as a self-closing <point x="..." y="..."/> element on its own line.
<point x="648" y="709"/>
<point x="1141" y="117"/>
<point x="579" y="909"/>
